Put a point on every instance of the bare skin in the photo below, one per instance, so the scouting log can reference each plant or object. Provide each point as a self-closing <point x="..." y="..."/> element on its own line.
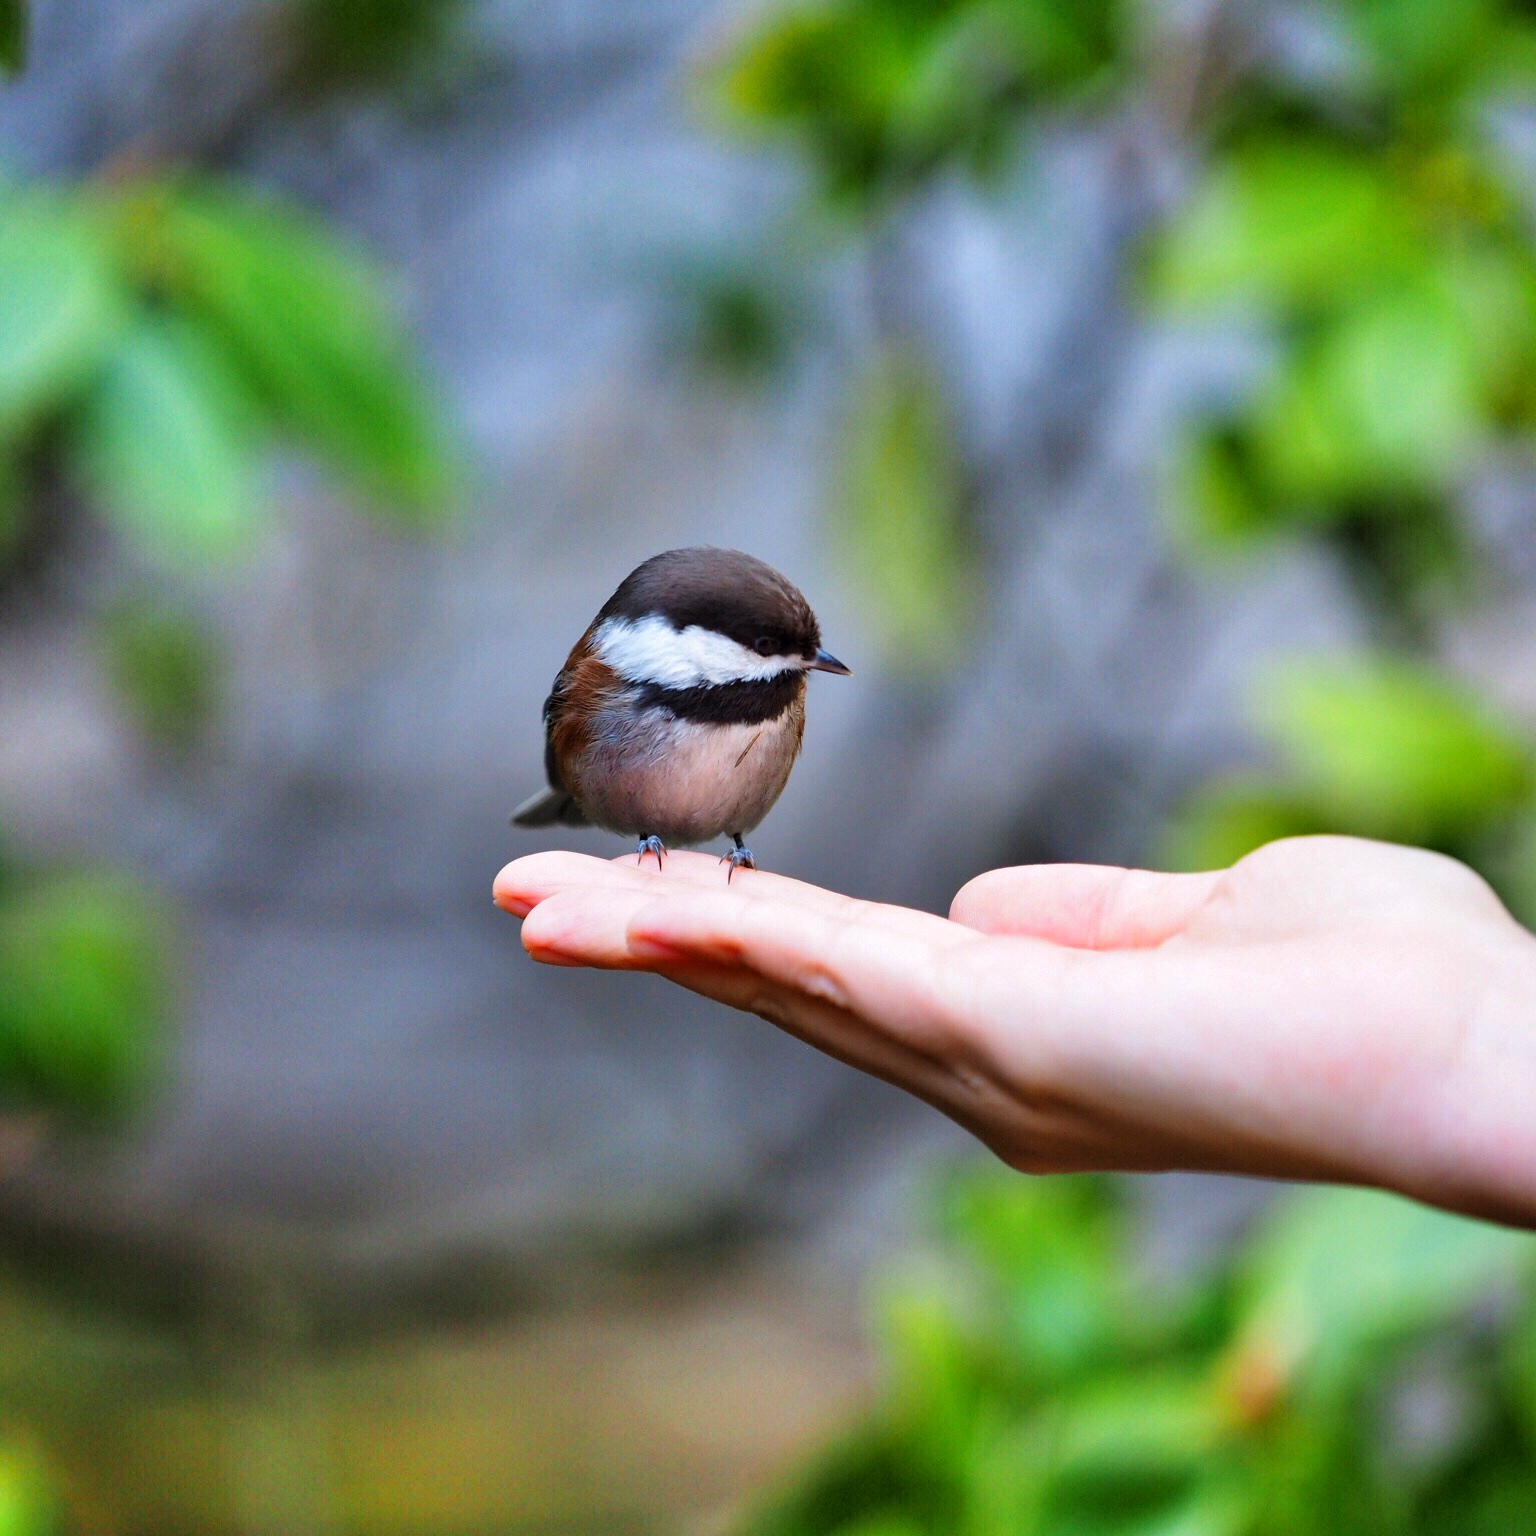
<point x="1326" y="1009"/>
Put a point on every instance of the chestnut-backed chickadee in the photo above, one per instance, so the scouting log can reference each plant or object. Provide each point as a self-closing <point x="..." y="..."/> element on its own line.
<point x="678" y="715"/>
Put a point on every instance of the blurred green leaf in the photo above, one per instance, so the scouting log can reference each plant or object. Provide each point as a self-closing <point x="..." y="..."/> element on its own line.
<point x="1492" y="291"/>
<point x="167" y="438"/>
<point x="1339" y="1272"/>
<point x="902" y="515"/>
<point x="1065" y="44"/>
<point x="28" y="1506"/>
<point x="364" y="42"/>
<point x="1385" y="397"/>
<point x="164" y="665"/>
<point x="999" y="1482"/>
<point x="881" y="95"/>
<point x="1402" y="371"/>
<point x="830" y="75"/>
<point x="1228" y="818"/>
<point x="1491" y="1500"/>
<point x="83" y="991"/>
<point x="863" y="1475"/>
<point x="1519" y="1365"/>
<point x="1051" y="1254"/>
<point x="1267" y="1423"/>
<point x="1310" y="461"/>
<point x="13" y="36"/>
<point x="784" y="67"/>
<point x="1389" y="748"/>
<point x="935" y="1385"/>
<point x="1509" y="66"/>
<point x="13" y="518"/>
<point x="1137" y="1442"/>
<point x="1419" y="47"/>
<point x="1372" y="222"/>
<point x="1213" y="1509"/>
<point x="730" y="312"/>
<point x="1286" y="222"/>
<point x="1215" y="495"/>
<point x="1068" y="1221"/>
<point x="884" y="1524"/>
<point x="60" y="304"/>
<point x="736" y="327"/>
<point x="304" y="323"/>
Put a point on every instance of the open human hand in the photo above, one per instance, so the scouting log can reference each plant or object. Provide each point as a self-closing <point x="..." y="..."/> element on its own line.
<point x="1328" y="1008"/>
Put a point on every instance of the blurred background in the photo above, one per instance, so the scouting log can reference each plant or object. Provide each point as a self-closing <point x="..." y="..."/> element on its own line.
<point x="1142" y="391"/>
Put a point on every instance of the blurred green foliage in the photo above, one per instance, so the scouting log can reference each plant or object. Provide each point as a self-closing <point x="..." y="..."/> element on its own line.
<point x="364" y="43"/>
<point x="165" y="667"/>
<point x="880" y="98"/>
<point x="731" y="314"/>
<point x="160" y="335"/>
<point x="1377" y="228"/>
<point x="84" y="986"/>
<point x="1363" y="212"/>
<point x="1384" y="747"/>
<point x="1039" y="1380"/>
<point x="734" y="326"/>
<point x="13" y="35"/>
<point x="1401" y="287"/>
<point x="1357" y="198"/>
<point x="879" y="94"/>
<point x="168" y="331"/>
<point x="903" y="525"/>
<point x="28" y="1505"/>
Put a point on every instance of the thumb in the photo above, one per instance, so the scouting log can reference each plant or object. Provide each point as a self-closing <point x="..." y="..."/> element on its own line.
<point x="1083" y="906"/>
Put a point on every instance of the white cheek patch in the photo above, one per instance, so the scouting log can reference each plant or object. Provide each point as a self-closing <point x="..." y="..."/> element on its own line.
<point x="649" y="650"/>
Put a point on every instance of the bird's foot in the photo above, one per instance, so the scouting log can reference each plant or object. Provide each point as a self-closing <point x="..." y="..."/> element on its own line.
<point x="739" y="857"/>
<point x="651" y="844"/>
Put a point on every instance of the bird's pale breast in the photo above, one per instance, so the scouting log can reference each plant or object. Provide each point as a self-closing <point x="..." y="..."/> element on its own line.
<point x="645" y="771"/>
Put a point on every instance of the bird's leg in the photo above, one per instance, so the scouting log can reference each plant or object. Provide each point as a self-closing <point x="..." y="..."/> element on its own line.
<point x="651" y="844"/>
<point x="739" y="857"/>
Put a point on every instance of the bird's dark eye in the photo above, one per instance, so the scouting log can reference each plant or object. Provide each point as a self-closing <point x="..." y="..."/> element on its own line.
<point x="763" y="646"/>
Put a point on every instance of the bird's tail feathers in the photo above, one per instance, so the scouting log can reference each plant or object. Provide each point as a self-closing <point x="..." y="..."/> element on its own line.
<point x="549" y="808"/>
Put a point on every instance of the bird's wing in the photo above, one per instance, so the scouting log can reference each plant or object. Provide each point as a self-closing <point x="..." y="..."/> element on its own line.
<point x="554" y="806"/>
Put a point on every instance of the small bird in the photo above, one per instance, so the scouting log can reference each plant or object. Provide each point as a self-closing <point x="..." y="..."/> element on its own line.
<point x="679" y="713"/>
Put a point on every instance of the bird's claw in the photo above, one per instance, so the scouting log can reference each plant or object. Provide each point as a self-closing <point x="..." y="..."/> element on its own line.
<point x="651" y="844"/>
<point x="738" y="858"/>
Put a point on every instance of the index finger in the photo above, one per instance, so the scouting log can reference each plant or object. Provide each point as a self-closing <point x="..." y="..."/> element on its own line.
<point x="528" y="881"/>
<point x="860" y="967"/>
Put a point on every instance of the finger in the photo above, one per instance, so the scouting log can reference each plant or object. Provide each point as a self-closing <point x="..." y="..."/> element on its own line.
<point x="586" y="925"/>
<point x="588" y="922"/>
<point x="1083" y="906"/>
<point x="526" y="882"/>
<point x="895" y="979"/>
<point x="532" y="878"/>
<point x="858" y="967"/>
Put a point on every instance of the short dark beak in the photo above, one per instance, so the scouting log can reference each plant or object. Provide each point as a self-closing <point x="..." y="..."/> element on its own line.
<point x="827" y="662"/>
